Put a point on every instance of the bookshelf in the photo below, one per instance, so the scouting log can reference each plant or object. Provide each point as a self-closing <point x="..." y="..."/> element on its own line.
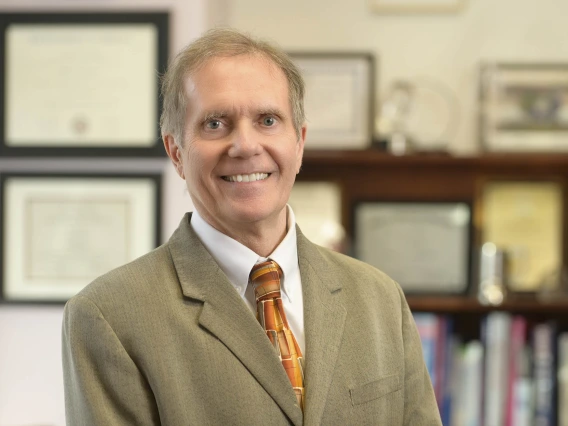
<point x="493" y="339"/>
<point x="374" y="175"/>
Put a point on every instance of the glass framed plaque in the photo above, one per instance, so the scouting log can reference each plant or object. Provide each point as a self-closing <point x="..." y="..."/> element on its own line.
<point x="59" y="232"/>
<point x="339" y="100"/>
<point x="425" y="247"/>
<point x="81" y="83"/>
<point x="524" y="107"/>
<point x="525" y="220"/>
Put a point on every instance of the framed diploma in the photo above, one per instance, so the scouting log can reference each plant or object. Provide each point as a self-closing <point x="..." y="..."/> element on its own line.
<point x="524" y="107"/>
<point x="81" y="83"/>
<point x="524" y="219"/>
<point x="339" y="100"/>
<point x="60" y="232"/>
<point x="425" y="247"/>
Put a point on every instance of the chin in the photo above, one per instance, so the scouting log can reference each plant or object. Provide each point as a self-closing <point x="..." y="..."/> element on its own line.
<point x="251" y="213"/>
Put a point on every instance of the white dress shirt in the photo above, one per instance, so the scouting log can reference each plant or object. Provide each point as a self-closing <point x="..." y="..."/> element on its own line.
<point x="237" y="260"/>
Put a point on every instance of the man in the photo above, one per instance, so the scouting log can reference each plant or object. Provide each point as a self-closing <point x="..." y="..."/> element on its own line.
<point x="173" y="339"/>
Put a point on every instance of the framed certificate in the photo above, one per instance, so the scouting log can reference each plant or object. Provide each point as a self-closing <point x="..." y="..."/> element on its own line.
<point x="525" y="220"/>
<point x="425" y="247"/>
<point x="81" y="83"/>
<point x="524" y="107"/>
<point x="61" y="232"/>
<point x="339" y="100"/>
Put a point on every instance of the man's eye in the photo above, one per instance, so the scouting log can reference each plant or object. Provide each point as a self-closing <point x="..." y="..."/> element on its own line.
<point x="213" y="124"/>
<point x="268" y="121"/>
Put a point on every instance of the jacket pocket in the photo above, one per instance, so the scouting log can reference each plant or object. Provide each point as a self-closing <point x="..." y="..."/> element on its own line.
<point x="375" y="389"/>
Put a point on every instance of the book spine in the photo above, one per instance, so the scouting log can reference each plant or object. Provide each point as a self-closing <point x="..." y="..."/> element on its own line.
<point x="563" y="379"/>
<point x="518" y="340"/>
<point x="497" y="340"/>
<point x="543" y="374"/>
<point x="471" y="400"/>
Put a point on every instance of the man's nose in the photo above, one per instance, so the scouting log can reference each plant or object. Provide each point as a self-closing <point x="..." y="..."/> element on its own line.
<point x="245" y="141"/>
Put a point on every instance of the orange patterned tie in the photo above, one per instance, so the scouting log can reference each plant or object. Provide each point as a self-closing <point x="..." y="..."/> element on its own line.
<point x="265" y="278"/>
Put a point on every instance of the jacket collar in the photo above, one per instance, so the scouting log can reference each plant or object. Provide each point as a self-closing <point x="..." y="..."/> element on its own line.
<point x="226" y="316"/>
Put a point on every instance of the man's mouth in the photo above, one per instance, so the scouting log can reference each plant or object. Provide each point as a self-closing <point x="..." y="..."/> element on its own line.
<point x="253" y="177"/>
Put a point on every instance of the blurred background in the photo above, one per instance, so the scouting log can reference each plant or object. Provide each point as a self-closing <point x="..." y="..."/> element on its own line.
<point x="424" y="97"/>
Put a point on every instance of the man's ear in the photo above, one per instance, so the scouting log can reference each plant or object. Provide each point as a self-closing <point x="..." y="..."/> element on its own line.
<point x="300" y="147"/>
<point x="175" y="153"/>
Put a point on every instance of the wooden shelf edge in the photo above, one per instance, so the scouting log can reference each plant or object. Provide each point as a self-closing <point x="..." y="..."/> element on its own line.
<point x="465" y="304"/>
<point x="489" y="160"/>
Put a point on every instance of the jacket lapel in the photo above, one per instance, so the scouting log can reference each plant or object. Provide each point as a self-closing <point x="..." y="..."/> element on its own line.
<point x="226" y="316"/>
<point x="324" y="318"/>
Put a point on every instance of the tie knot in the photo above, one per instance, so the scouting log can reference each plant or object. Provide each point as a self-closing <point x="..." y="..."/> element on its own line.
<point x="265" y="278"/>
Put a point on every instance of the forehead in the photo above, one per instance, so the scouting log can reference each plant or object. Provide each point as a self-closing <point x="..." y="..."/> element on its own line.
<point x="236" y="81"/>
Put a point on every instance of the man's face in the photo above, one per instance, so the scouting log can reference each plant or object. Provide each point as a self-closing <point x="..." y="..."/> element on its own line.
<point x="241" y="154"/>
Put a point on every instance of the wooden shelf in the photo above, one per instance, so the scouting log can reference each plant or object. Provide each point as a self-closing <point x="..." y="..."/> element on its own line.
<point x="374" y="175"/>
<point x="373" y="157"/>
<point x="462" y="304"/>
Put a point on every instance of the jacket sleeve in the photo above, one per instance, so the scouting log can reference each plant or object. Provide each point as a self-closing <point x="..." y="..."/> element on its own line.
<point x="103" y="385"/>
<point x="420" y="407"/>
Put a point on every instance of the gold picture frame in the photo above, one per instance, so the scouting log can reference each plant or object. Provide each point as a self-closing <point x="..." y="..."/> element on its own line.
<point x="525" y="220"/>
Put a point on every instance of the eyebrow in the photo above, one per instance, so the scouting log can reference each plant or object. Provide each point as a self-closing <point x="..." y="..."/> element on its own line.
<point x="272" y="111"/>
<point x="215" y="115"/>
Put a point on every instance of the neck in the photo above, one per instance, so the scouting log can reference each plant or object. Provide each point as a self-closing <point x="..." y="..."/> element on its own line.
<point x="261" y="237"/>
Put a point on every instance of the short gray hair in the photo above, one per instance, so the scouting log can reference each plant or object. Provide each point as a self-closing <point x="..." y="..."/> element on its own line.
<point x="223" y="42"/>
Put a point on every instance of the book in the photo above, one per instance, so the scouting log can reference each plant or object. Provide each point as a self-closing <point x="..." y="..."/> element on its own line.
<point x="518" y="342"/>
<point x="544" y="374"/>
<point x="563" y="379"/>
<point x="427" y="325"/>
<point x="468" y="410"/>
<point x="496" y="336"/>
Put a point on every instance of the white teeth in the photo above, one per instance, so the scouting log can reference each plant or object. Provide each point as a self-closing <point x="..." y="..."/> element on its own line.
<point x="247" y="178"/>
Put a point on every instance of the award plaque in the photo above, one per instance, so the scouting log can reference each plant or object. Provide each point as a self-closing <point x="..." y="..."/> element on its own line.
<point x="61" y="232"/>
<point x="82" y="84"/>
<point x="425" y="247"/>
<point x="524" y="219"/>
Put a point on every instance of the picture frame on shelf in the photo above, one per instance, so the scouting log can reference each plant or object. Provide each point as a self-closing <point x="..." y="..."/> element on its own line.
<point x="524" y="219"/>
<point x="524" y="107"/>
<point x="339" y="99"/>
<point x="424" y="246"/>
<point x="60" y="232"/>
<point x="415" y="7"/>
<point x="317" y="208"/>
<point x="82" y="84"/>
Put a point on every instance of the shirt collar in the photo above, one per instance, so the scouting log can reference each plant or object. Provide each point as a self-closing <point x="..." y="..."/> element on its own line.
<point x="236" y="260"/>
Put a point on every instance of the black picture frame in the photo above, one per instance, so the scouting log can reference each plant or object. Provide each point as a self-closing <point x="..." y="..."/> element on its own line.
<point x="78" y="22"/>
<point x="58" y="232"/>
<point x="410" y="251"/>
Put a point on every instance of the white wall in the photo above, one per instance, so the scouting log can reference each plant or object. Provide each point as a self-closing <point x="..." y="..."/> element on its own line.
<point x="448" y="48"/>
<point x="31" y="385"/>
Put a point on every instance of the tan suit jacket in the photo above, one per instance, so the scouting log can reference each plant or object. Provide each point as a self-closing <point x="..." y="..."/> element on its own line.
<point x="166" y="340"/>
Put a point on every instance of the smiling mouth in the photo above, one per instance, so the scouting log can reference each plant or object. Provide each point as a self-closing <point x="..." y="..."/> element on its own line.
<point x="253" y="177"/>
